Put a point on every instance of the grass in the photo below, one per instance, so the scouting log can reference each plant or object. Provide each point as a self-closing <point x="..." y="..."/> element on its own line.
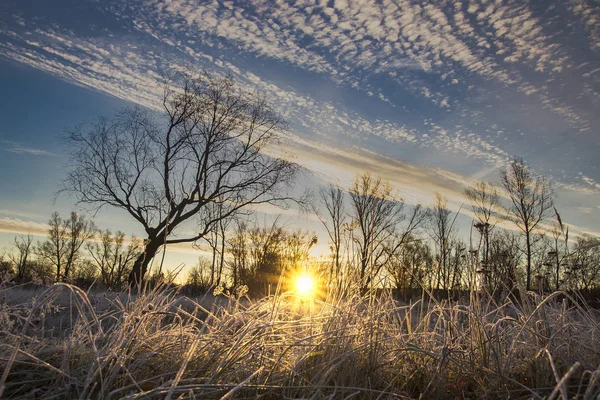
<point x="66" y="343"/>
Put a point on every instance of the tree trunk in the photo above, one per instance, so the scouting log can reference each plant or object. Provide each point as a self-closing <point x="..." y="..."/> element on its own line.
<point x="221" y="259"/>
<point x="557" y="265"/>
<point x="212" y="265"/>
<point x="140" y="267"/>
<point x="528" y="244"/>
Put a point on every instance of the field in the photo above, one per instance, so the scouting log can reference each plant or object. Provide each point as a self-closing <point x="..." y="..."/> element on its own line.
<point x="61" y="342"/>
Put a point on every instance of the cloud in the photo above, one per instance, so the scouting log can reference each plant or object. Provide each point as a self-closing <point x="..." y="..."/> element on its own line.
<point x="18" y="148"/>
<point x="588" y="12"/>
<point x="414" y="183"/>
<point x="586" y="210"/>
<point x="468" y="82"/>
<point x="136" y="80"/>
<point x="19" y="226"/>
<point x="25" y="227"/>
<point x="347" y="43"/>
<point x="18" y="213"/>
<point x="30" y="150"/>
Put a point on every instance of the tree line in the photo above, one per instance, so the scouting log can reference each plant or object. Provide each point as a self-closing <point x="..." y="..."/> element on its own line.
<point x="374" y="240"/>
<point x="212" y="155"/>
<point x="75" y="250"/>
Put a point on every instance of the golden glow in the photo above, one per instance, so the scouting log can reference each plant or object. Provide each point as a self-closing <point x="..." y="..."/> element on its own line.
<point x="305" y="285"/>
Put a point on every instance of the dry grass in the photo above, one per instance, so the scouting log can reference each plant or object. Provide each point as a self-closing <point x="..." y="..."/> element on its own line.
<point x="160" y="345"/>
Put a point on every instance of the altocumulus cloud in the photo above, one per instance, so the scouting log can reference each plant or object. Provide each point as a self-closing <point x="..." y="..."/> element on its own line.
<point x="444" y="89"/>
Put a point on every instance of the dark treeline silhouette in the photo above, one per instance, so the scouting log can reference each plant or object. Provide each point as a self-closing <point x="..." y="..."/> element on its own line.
<point x="374" y="241"/>
<point x="194" y="173"/>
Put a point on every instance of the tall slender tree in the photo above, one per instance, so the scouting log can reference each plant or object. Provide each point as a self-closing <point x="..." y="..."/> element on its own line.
<point x="531" y="202"/>
<point x="485" y="204"/>
<point x="21" y="259"/>
<point x="442" y="232"/>
<point x="332" y="199"/>
<point x="376" y="213"/>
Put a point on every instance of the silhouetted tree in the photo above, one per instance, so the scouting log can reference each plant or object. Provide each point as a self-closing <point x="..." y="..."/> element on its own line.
<point x="375" y="213"/>
<point x="531" y="202"/>
<point x="112" y="256"/>
<point x="542" y="265"/>
<point x="505" y="252"/>
<point x="406" y="230"/>
<point x="216" y="240"/>
<point x="262" y="256"/>
<point x="413" y="265"/>
<point x="6" y="268"/>
<point x="65" y="238"/>
<point x="442" y="232"/>
<point x="485" y="204"/>
<point x="86" y="273"/>
<point x="22" y="257"/>
<point x="266" y="258"/>
<point x="583" y="271"/>
<point x="207" y="148"/>
<point x="239" y="250"/>
<point x="332" y="199"/>
<point x="198" y="278"/>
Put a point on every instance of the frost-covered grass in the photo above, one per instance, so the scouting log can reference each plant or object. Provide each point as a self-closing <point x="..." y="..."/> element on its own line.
<point x="66" y="343"/>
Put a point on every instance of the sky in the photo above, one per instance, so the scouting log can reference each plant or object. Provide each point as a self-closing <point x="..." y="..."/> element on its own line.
<point x="431" y="96"/>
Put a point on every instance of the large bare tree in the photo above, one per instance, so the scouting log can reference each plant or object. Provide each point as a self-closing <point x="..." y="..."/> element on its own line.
<point x="207" y="147"/>
<point x="531" y="201"/>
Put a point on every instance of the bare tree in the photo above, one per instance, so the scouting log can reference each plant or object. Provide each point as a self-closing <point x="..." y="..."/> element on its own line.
<point x="21" y="259"/>
<point x="505" y="255"/>
<point x="198" y="279"/>
<point x="541" y="268"/>
<point x="65" y="238"/>
<point x="531" y="202"/>
<point x="239" y="250"/>
<point x="296" y="249"/>
<point x="216" y="240"/>
<point x="332" y="198"/>
<point x="412" y="265"/>
<point x="442" y="232"/>
<point x="375" y="212"/>
<point x="407" y="231"/>
<point x="263" y="255"/>
<point x="485" y="204"/>
<point x="112" y="256"/>
<point x="208" y="147"/>
<point x="79" y="230"/>
<point x="54" y="249"/>
<point x="266" y="259"/>
<point x="584" y="264"/>
<point x="6" y="270"/>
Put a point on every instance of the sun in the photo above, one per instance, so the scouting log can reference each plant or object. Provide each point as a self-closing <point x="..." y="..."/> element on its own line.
<point x="305" y="285"/>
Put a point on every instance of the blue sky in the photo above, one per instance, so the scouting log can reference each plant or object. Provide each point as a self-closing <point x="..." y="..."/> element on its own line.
<point x="429" y="95"/>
